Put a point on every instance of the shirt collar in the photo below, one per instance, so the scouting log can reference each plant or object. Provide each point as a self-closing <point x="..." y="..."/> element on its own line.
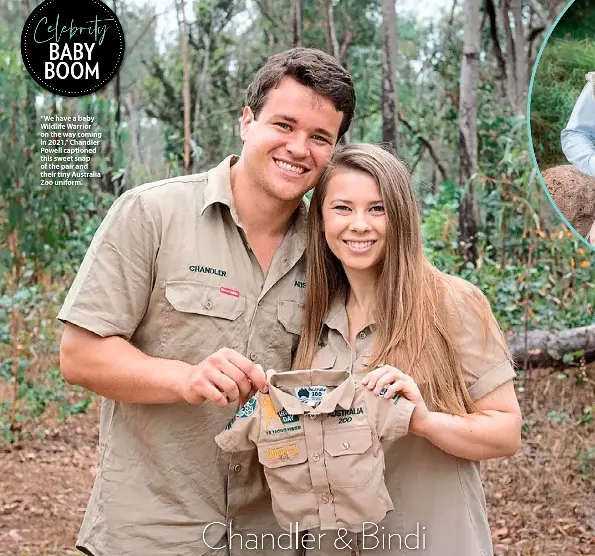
<point x="342" y="394"/>
<point x="336" y="317"/>
<point x="218" y="189"/>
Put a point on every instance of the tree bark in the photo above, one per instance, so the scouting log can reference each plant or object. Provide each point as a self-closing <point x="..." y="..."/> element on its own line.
<point x="390" y="103"/>
<point x="296" y="22"/>
<point x="331" y="33"/>
<point x="521" y="63"/>
<point x="511" y="89"/>
<point x="185" y="82"/>
<point x="542" y="347"/>
<point x="491" y="11"/>
<point x="468" y="145"/>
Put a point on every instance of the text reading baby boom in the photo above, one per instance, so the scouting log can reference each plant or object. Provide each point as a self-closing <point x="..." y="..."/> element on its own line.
<point x="72" y="48"/>
<point x="67" y="145"/>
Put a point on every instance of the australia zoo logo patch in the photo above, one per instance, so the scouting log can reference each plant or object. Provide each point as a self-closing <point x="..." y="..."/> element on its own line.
<point x="247" y="409"/>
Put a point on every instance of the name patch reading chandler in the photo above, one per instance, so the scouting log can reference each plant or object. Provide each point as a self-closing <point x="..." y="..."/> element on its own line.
<point x="72" y="48"/>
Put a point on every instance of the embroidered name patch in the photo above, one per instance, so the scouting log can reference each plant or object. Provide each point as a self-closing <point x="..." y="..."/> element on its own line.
<point x="283" y="452"/>
<point x="229" y="291"/>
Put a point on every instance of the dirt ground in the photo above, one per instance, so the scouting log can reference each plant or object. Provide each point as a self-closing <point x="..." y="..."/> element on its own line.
<point x="541" y="501"/>
<point x="574" y="194"/>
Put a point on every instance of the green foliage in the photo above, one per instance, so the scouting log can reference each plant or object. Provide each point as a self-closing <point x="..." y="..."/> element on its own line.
<point x="532" y="269"/>
<point x="40" y="385"/>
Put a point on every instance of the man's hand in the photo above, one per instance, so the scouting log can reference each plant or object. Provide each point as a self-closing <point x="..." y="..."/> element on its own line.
<point x="224" y="377"/>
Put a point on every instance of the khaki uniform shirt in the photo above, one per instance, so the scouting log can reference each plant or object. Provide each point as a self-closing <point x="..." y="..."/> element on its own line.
<point x="323" y="460"/>
<point x="439" y="502"/>
<point x="170" y="270"/>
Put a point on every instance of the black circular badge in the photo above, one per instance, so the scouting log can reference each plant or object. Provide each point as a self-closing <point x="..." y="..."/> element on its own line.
<point x="72" y="48"/>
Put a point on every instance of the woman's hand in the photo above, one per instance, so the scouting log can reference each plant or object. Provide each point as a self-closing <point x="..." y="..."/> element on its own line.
<point x="387" y="381"/>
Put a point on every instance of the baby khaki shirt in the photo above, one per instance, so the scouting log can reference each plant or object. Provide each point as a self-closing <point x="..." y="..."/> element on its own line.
<point x="324" y="463"/>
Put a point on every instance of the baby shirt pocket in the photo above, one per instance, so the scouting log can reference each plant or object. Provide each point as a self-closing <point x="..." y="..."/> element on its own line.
<point x="286" y="465"/>
<point x="350" y="458"/>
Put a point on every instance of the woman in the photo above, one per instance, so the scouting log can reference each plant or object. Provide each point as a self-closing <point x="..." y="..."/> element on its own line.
<point x="376" y="306"/>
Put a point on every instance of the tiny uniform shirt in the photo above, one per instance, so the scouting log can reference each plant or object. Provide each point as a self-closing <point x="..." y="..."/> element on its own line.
<point x="439" y="502"/>
<point x="578" y="137"/>
<point x="318" y="435"/>
<point x="171" y="271"/>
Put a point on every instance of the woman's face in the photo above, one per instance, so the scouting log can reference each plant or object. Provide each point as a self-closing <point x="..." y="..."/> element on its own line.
<point x="354" y="219"/>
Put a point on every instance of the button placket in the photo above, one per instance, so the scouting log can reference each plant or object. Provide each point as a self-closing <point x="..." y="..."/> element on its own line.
<point x="313" y="429"/>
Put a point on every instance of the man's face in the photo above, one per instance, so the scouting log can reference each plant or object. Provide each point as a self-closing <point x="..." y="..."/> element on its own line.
<point x="287" y="147"/>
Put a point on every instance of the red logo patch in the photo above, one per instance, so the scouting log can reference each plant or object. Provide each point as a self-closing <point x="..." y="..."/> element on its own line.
<point x="229" y="291"/>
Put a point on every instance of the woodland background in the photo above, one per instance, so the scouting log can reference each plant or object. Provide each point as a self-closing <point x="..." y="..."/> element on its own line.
<point x="448" y="92"/>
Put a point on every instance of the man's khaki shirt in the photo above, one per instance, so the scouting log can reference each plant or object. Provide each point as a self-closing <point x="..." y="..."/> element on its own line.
<point x="170" y="270"/>
<point x="438" y="499"/>
<point x="324" y="464"/>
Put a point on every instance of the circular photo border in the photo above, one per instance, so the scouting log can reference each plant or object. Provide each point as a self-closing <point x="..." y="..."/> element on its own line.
<point x="531" y="147"/>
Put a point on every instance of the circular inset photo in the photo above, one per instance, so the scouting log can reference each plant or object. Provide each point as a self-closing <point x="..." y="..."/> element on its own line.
<point x="562" y="116"/>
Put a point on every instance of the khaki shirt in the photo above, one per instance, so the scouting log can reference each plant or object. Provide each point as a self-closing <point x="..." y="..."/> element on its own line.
<point x="170" y="270"/>
<point x="323" y="462"/>
<point x="439" y="502"/>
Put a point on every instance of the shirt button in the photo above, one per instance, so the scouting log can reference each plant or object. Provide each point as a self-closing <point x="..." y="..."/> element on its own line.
<point x="259" y="302"/>
<point x="362" y="335"/>
<point x="312" y="415"/>
<point x="253" y="357"/>
<point x="285" y="260"/>
<point x="208" y="304"/>
<point x="316" y="457"/>
<point x="237" y="467"/>
<point x="284" y="457"/>
<point x="324" y="498"/>
<point x="345" y="445"/>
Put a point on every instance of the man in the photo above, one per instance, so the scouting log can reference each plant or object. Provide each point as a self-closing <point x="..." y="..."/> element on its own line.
<point x="189" y="289"/>
<point x="578" y="138"/>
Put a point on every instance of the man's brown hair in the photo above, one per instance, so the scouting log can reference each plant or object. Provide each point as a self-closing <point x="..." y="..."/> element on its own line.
<point x="312" y="68"/>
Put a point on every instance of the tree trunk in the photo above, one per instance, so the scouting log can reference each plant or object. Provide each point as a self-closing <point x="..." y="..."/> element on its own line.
<point x="331" y="33"/>
<point x="296" y="22"/>
<point x="117" y="184"/>
<point x="202" y="91"/>
<point x="521" y="63"/>
<point x="185" y="82"/>
<point x="543" y="347"/>
<point x="390" y="103"/>
<point x="135" y="136"/>
<point x="468" y="131"/>
<point x="517" y="78"/>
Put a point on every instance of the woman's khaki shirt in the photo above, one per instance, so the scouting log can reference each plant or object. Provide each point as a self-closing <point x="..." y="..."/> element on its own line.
<point x="439" y="503"/>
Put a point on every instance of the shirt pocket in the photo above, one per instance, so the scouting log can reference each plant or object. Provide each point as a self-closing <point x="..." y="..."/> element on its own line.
<point x="283" y="341"/>
<point x="290" y="314"/>
<point x="286" y="465"/>
<point x="201" y="316"/>
<point x="352" y="461"/>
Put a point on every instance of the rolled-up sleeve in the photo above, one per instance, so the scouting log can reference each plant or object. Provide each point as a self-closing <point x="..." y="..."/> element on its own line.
<point x="485" y="359"/>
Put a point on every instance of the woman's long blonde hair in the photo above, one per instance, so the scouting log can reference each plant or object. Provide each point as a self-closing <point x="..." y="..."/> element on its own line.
<point x="411" y="317"/>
